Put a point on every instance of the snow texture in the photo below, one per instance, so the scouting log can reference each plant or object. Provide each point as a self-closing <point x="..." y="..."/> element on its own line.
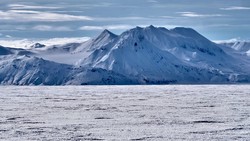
<point x="166" y="112"/>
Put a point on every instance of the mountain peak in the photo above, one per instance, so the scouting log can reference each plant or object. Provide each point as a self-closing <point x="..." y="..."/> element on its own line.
<point x="151" y="27"/>
<point x="134" y="31"/>
<point x="189" y="32"/>
<point x="105" y="37"/>
<point x="183" y="29"/>
<point x="37" y="45"/>
<point x="106" y="32"/>
<point x="137" y="28"/>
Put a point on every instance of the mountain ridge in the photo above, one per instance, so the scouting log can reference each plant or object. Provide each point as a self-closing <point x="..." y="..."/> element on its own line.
<point x="150" y="55"/>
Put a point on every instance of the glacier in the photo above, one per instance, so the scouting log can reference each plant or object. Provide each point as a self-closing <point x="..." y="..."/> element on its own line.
<point x="150" y="55"/>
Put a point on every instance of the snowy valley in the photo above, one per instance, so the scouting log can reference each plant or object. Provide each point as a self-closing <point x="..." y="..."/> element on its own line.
<point x="150" y="55"/>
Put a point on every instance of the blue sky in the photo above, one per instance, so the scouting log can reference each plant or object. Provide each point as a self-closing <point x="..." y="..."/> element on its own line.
<point x="42" y="19"/>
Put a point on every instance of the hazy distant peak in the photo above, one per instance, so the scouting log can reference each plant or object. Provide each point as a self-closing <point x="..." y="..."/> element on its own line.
<point x="37" y="45"/>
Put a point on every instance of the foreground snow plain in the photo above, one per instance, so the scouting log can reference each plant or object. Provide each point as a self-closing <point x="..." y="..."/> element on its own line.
<point x="172" y="112"/>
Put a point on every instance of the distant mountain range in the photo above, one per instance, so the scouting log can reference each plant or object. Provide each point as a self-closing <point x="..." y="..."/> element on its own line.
<point x="240" y="46"/>
<point x="150" y="55"/>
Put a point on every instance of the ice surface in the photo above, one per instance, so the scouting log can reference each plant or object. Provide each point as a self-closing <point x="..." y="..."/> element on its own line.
<point x="173" y="112"/>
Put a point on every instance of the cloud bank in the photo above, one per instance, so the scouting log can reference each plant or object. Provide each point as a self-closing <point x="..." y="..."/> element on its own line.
<point x="194" y="14"/>
<point x="109" y="27"/>
<point x="26" y="43"/>
<point x="236" y="8"/>
<point x="31" y="15"/>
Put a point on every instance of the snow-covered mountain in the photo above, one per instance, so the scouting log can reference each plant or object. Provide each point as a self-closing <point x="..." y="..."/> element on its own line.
<point x="241" y="46"/>
<point x="150" y="55"/>
<point x="25" y="70"/>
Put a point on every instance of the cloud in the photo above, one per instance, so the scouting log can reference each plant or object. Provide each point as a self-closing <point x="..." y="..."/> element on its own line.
<point x="60" y="41"/>
<point x="8" y="36"/>
<point x="152" y="1"/>
<point x="100" y="5"/>
<point x="228" y="25"/>
<point x="228" y="41"/>
<point x="109" y="27"/>
<point x="119" y="18"/>
<point x="193" y="14"/>
<point x="15" y="43"/>
<point x="221" y="25"/>
<point x="93" y="5"/>
<point x="26" y="43"/>
<point x="12" y="27"/>
<point x="20" y="28"/>
<point x="91" y="28"/>
<point x="24" y="15"/>
<point x="21" y="6"/>
<point x="29" y="15"/>
<point x="167" y="17"/>
<point x="51" y="28"/>
<point x="236" y="8"/>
